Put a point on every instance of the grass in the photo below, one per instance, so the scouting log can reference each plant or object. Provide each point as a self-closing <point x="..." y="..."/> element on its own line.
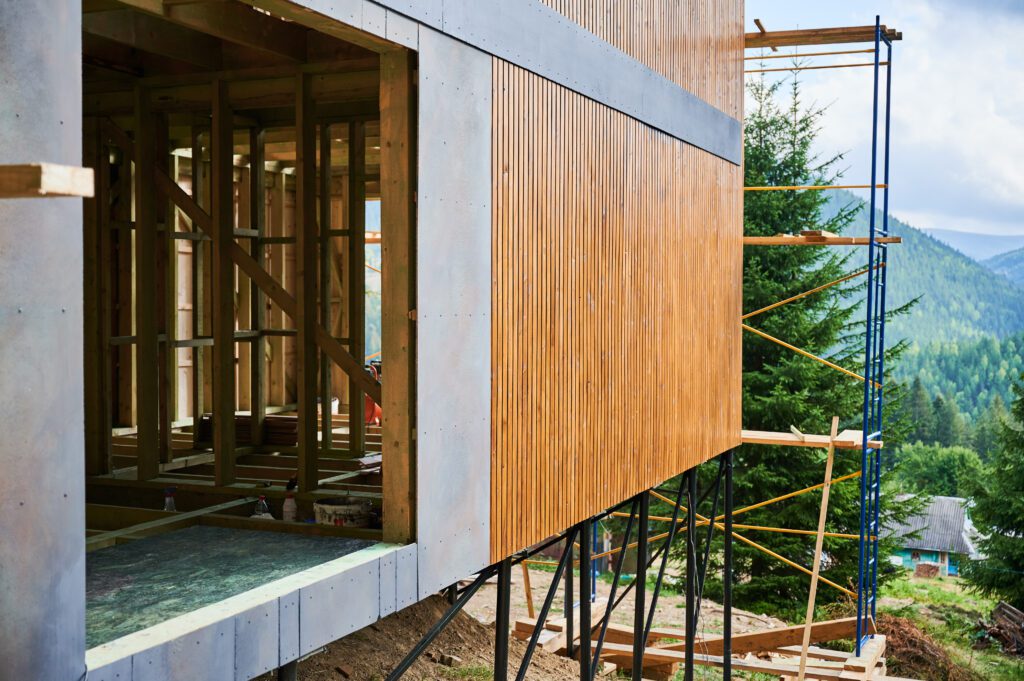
<point x="473" y="671"/>
<point x="948" y="612"/>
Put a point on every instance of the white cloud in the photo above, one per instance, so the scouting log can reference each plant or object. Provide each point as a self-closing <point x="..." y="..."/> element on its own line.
<point x="957" y="116"/>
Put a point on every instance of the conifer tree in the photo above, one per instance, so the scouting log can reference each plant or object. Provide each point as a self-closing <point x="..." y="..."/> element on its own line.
<point x="783" y="389"/>
<point x="920" y="414"/>
<point x="998" y="513"/>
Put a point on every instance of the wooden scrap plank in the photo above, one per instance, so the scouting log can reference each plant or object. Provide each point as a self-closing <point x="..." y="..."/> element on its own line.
<point x="35" y="180"/>
<point x="847" y="439"/>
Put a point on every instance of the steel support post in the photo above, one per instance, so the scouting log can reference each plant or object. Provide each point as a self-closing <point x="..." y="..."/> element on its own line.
<point x="429" y="637"/>
<point x="288" y="672"/>
<point x="546" y="608"/>
<point x="501" y="620"/>
<point x="639" y="609"/>
<point x="691" y="570"/>
<point x="570" y="595"/>
<point x="727" y="573"/>
<point x="586" y="581"/>
<point x="615" y="586"/>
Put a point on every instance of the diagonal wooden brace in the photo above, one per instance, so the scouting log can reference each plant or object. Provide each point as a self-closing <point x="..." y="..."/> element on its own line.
<point x="335" y="350"/>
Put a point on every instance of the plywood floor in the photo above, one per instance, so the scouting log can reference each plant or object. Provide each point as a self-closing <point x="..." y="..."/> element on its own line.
<point x="133" y="586"/>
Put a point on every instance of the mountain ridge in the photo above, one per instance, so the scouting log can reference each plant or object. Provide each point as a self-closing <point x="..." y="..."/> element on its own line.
<point x="959" y="298"/>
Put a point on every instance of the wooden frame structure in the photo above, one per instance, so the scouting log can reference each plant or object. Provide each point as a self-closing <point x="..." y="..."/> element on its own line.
<point x="227" y="259"/>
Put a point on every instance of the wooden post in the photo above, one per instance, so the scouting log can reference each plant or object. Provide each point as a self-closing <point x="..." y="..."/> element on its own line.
<point x="258" y="221"/>
<point x="95" y="243"/>
<point x="326" y="395"/>
<point x="819" y="540"/>
<point x="306" y="281"/>
<point x="278" y="391"/>
<point x="200" y="194"/>
<point x="398" y="223"/>
<point x="121" y="214"/>
<point x="356" y="280"/>
<point x="166" y="301"/>
<point x="222" y="194"/>
<point x="146" y="344"/>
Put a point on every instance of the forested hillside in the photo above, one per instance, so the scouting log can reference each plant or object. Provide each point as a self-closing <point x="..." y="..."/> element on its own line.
<point x="1010" y="265"/>
<point x="978" y="246"/>
<point x="972" y="373"/>
<point x="960" y="300"/>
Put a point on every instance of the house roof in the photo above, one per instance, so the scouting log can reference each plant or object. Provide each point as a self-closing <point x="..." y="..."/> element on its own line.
<point x="942" y="526"/>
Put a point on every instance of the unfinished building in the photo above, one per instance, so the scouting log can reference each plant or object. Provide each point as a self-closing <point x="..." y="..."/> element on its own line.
<point x="386" y="263"/>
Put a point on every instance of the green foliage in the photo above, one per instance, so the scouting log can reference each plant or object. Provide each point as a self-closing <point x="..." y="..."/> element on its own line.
<point x="998" y="513"/>
<point x="783" y="389"/>
<point x="1010" y="265"/>
<point x="920" y="413"/>
<point x="937" y="470"/>
<point x="972" y="373"/>
<point x="960" y="299"/>
<point x="950" y="430"/>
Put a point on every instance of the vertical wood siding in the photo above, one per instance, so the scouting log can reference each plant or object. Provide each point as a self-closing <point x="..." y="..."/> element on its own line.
<point x="617" y="276"/>
<point x="697" y="44"/>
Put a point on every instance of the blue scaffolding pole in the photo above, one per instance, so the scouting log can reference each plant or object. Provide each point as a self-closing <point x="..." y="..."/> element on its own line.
<point x="874" y="352"/>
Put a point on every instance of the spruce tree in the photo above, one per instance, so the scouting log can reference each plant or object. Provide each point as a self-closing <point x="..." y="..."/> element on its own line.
<point x="985" y="438"/>
<point x="920" y="414"/>
<point x="998" y="513"/>
<point x="781" y="388"/>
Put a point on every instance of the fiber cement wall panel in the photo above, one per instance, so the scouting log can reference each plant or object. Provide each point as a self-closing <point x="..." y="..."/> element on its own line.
<point x="42" y="495"/>
<point x="453" y="311"/>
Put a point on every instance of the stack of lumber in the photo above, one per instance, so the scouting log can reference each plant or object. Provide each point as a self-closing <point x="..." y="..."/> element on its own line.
<point x="665" y="653"/>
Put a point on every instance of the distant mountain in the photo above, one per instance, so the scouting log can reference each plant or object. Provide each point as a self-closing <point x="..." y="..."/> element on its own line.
<point x="977" y="246"/>
<point x="1010" y="265"/>
<point x="960" y="300"/>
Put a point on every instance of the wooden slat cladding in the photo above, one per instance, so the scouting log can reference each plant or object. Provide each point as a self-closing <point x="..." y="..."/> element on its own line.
<point x="617" y="275"/>
<point x="697" y="44"/>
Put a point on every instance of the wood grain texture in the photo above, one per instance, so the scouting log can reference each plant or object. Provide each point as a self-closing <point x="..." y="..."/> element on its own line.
<point x="617" y="276"/>
<point x="697" y="44"/>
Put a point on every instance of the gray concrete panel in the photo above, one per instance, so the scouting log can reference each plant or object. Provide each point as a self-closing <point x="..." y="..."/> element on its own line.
<point x="406" y="579"/>
<point x="288" y="627"/>
<point x="530" y="34"/>
<point x="388" y="584"/>
<point x="338" y="605"/>
<point x="256" y="641"/>
<point x="453" y="311"/>
<point x="206" y="653"/>
<point x="42" y="495"/>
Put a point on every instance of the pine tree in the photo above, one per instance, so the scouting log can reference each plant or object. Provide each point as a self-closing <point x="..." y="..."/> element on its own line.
<point x="920" y="414"/>
<point x="998" y="513"/>
<point x="783" y="389"/>
<point x="986" y="431"/>
<point x="950" y="429"/>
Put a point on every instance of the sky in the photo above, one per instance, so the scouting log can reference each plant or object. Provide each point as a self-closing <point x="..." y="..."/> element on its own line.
<point x="957" y="106"/>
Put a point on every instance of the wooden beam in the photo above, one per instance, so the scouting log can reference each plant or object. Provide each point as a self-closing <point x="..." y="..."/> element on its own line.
<point x="802" y="240"/>
<point x="242" y="25"/>
<point x="200" y="262"/>
<point x="221" y="230"/>
<point x="356" y="288"/>
<point x="306" y="281"/>
<point x="271" y="287"/>
<point x="41" y="180"/>
<point x="818" y="543"/>
<point x="328" y="25"/>
<point x="770" y="639"/>
<point x="96" y="300"/>
<point x="171" y="522"/>
<point x="848" y="439"/>
<point x="818" y="36"/>
<point x="167" y="299"/>
<point x="146" y="344"/>
<point x="257" y="315"/>
<point x="398" y="300"/>
<point x="148" y="33"/>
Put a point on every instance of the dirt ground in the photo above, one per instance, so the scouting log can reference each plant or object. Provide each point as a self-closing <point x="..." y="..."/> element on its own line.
<point x="670" y="612"/>
<point x="465" y="649"/>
